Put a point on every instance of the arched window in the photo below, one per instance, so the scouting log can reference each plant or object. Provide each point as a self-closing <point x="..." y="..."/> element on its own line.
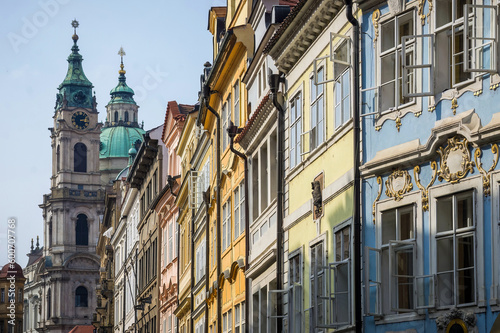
<point x="82" y="230"/>
<point x="116" y="116"/>
<point x="80" y="157"/>
<point x="49" y="303"/>
<point x="81" y="297"/>
<point x="126" y="116"/>
<point x="58" y="158"/>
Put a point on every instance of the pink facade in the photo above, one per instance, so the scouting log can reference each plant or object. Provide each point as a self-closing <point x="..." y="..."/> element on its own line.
<point x="168" y="212"/>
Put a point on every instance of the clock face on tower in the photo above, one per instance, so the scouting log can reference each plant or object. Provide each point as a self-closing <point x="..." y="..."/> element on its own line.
<point x="80" y="120"/>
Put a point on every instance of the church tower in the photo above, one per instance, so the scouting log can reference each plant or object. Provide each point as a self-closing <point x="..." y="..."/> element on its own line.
<point x="73" y="208"/>
<point x="121" y="131"/>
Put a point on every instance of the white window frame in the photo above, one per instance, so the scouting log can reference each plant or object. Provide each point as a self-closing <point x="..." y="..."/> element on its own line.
<point x="474" y="42"/>
<point x="316" y="295"/>
<point x="417" y="70"/>
<point x="332" y="57"/>
<point x="194" y="184"/>
<point x="226" y="224"/>
<point x="474" y="184"/>
<point x="170" y="242"/>
<point x="396" y="49"/>
<point x="316" y="111"/>
<point x="455" y="233"/>
<point x="239" y="209"/>
<point x="296" y="103"/>
<point x="239" y="317"/>
<point x="236" y="102"/>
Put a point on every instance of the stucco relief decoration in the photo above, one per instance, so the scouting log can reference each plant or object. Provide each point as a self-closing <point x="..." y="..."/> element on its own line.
<point x="421" y="14"/>
<point x="379" y="181"/>
<point x="454" y="105"/>
<point x="398" y="183"/>
<point x="455" y="317"/>
<point x="425" y="190"/>
<point x="486" y="174"/>
<point x="455" y="160"/>
<point x="375" y="19"/>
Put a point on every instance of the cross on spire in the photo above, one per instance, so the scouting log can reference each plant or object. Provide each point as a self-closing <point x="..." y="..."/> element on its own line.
<point x="121" y="53"/>
<point x="75" y="24"/>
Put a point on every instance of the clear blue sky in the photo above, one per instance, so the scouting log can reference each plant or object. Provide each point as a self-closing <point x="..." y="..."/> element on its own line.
<point x="166" y="44"/>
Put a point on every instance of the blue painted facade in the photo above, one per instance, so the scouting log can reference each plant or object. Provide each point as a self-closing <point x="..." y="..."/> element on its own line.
<point x="405" y="151"/>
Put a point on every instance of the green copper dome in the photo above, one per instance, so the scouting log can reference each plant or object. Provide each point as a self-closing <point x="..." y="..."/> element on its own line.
<point x="116" y="141"/>
<point x="122" y="93"/>
<point x="76" y="89"/>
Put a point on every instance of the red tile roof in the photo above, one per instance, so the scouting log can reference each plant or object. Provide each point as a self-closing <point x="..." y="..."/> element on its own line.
<point x="285" y="24"/>
<point x="252" y="118"/>
<point x="179" y="112"/>
<point x="82" y="329"/>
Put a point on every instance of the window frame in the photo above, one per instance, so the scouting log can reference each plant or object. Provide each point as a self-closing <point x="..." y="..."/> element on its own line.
<point x="468" y="184"/>
<point x="295" y="148"/>
<point x="226" y="225"/>
<point x="316" y="109"/>
<point x="239" y="209"/>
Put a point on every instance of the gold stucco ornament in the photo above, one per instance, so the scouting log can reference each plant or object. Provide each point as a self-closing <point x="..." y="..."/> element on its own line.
<point x="486" y="174"/>
<point x="425" y="190"/>
<point x="398" y="184"/>
<point x="379" y="181"/>
<point x="455" y="160"/>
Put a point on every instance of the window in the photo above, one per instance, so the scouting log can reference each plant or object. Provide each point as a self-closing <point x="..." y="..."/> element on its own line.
<point x="58" y="158"/>
<point x="227" y="322"/>
<point x="126" y="116"/>
<point x="200" y="261"/>
<point x="295" y="130"/>
<point x="391" y="82"/>
<point x="226" y="116"/>
<point x="455" y="250"/>
<point x="317" y="282"/>
<point x="80" y="157"/>
<point x="341" y="277"/>
<point x="49" y="303"/>
<point x="20" y="295"/>
<point x="237" y="103"/>
<point x="239" y="318"/>
<point x="81" y="297"/>
<point x="226" y="225"/>
<point x="169" y="324"/>
<point x="450" y="33"/>
<point x="259" y="311"/>
<point x="317" y="131"/>
<point x="116" y="116"/>
<point x="342" y="86"/>
<point x="239" y="210"/>
<point x="295" y="293"/>
<point x="397" y="254"/>
<point x="481" y="39"/>
<point x="2" y="295"/>
<point x="170" y="241"/>
<point x="165" y="255"/>
<point x="82" y="230"/>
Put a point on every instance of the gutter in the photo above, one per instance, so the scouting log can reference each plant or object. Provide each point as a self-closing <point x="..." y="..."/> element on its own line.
<point x="232" y="131"/>
<point x="274" y="82"/>
<point x="206" y="96"/>
<point x="357" y="181"/>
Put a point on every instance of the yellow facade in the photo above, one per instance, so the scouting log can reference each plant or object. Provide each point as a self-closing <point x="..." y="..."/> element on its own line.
<point x="226" y="273"/>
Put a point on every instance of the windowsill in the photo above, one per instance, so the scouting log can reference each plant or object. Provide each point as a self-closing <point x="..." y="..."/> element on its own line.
<point x="470" y="308"/>
<point x="318" y="151"/>
<point x="399" y="318"/>
<point x="399" y="107"/>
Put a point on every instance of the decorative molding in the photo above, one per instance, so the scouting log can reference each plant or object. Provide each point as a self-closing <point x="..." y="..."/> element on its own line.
<point x="454" y="105"/>
<point x="431" y="108"/>
<point x="478" y="92"/>
<point x="455" y="160"/>
<point x="398" y="123"/>
<point x="425" y="190"/>
<point x="398" y="183"/>
<point x="486" y="174"/>
<point x="456" y="317"/>
<point x="380" y="184"/>
<point x="421" y="4"/>
<point x="375" y="19"/>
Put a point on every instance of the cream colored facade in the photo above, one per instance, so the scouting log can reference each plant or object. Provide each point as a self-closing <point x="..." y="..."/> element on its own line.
<point x="319" y="155"/>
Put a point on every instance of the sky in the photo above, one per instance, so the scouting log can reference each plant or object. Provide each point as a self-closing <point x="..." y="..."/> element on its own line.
<point x="166" y="44"/>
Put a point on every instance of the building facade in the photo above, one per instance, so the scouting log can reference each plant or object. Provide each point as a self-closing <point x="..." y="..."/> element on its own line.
<point x="32" y="287"/>
<point x="168" y="213"/>
<point x="72" y="210"/>
<point x="430" y="188"/>
<point x="11" y="298"/>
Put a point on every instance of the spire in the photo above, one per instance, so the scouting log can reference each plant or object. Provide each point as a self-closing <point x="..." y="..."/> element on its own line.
<point x="122" y="93"/>
<point x="76" y="89"/>
<point x="32" y="248"/>
<point x="37" y="242"/>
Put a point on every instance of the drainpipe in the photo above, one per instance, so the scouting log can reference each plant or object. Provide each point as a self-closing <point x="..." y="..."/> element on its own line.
<point x="274" y="81"/>
<point x="206" y="95"/>
<point x="193" y="211"/>
<point x="357" y="181"/>
<point x="232" y="131"/>
<point x="206" y="199"/>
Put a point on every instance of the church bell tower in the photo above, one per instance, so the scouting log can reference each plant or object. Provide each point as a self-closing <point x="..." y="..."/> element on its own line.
<point x="74" y="206"/>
